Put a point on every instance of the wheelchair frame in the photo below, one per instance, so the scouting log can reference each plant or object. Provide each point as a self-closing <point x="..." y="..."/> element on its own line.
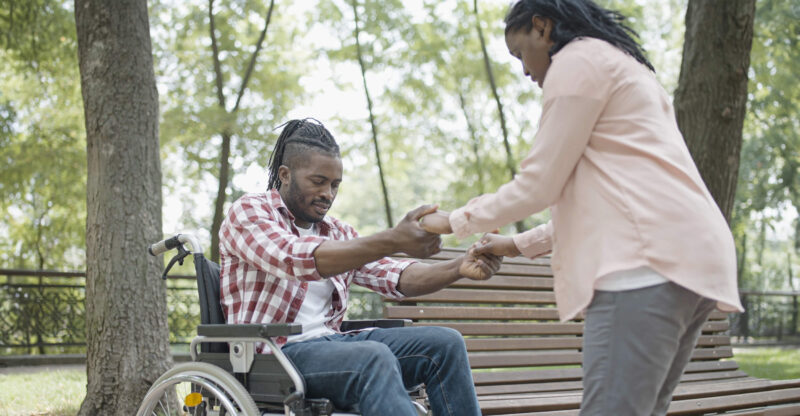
<point x="270" y="381"/>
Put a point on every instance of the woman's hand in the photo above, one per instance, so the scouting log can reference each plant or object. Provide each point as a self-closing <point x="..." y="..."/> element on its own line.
<point x="437" y="223"/>
<point x="496" y="244"/>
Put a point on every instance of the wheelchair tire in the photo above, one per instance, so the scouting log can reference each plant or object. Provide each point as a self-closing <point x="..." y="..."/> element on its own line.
<point x="219" y="389"/>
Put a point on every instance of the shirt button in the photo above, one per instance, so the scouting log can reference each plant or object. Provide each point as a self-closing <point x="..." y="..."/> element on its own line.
<point x="289" y="261"/>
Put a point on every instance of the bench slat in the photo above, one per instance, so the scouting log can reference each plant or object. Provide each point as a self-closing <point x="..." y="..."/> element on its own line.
<point x="733" y="402"/>
<point x="470" y="313"/>
<point x="505" y="359"/>
<point x="501" y="328"/>
<point x="486" y="296"/>
<point x="507" y="282"/>
<point x="523" y="343"/>
<point x="554" y="343"/>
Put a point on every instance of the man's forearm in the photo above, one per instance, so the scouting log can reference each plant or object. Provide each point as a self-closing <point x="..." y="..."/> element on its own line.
<point x="338" y="256"/>
<point x="420" y="278"/>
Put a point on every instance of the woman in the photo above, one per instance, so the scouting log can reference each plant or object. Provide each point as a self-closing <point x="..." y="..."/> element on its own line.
<point x="637" y="240"/>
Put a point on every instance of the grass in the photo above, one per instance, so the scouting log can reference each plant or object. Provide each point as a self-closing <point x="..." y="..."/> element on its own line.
<point x="60" y="392"/>
<point x="770" y="363"/>
<point x="52" y="393"/>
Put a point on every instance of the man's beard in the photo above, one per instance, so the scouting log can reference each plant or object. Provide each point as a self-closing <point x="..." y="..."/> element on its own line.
<point x="296" y="205"/>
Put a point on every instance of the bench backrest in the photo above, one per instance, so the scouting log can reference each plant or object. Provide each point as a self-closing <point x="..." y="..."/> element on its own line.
<point x="513" y="334"/>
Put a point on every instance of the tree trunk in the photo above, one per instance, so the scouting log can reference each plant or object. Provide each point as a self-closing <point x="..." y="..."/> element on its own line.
<point x="520" y="226"/>
<point x="225" y="150"/>
<point x="711" y="98"/>
<point x="386" y="204"/>
<point x="126" y="318"/>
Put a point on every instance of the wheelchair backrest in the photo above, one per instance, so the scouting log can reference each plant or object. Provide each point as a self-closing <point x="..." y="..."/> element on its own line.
<point x="208" y="290"/>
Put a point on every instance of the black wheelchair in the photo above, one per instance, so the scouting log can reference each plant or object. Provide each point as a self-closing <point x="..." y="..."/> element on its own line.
<point x="226" y="376"/>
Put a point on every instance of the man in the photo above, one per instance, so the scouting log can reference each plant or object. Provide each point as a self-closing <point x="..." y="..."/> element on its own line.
<point x="283" y="260"/>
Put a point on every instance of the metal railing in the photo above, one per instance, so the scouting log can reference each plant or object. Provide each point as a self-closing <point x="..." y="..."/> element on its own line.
<point x="769" y="316"/>
<point x="42" y="312"/>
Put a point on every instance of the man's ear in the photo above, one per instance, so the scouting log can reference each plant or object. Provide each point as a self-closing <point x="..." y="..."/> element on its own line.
<point x="284" y="174"/>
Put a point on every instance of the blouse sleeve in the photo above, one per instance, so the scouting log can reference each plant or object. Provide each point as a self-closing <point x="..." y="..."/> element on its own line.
<point x="574" y="97"/>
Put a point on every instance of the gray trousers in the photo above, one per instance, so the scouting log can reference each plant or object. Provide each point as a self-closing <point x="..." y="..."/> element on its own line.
<point x="636" y="344"/>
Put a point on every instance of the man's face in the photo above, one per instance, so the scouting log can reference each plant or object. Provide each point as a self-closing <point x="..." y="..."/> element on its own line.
<point x="309" y="188"/>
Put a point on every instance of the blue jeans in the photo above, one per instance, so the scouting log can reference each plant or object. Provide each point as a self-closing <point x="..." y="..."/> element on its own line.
<point x="369" y="371"/>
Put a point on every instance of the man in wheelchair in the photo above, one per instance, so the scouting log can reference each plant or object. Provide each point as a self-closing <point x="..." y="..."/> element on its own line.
<point x="283" y="260"/>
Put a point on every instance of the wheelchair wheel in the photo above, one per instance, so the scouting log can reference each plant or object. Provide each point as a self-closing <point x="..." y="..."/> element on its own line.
<point x="196" y="388"/>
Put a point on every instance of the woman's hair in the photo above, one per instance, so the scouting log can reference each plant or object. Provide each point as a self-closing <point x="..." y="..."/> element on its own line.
<point x="576" y="18"/>
<point x="297" y="139"/>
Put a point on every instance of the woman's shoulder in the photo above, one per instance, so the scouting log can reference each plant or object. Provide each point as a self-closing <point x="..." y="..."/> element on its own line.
<point x="579" y="68"/>
<point x="588" y="47"/>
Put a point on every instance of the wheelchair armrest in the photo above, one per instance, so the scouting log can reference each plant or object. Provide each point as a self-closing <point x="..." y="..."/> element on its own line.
<point x="354" y="325"/>
<point x="248" y="330"/>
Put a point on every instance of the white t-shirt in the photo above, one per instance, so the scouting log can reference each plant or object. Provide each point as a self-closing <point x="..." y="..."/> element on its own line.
<point x="630" y="279"/>
<point x="316" y="305"/>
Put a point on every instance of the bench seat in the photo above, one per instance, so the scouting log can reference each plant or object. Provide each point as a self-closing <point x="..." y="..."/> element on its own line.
<point x="526" y="362"/>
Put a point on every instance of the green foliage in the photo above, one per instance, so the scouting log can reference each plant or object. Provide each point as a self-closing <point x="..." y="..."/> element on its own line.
<point x="769" y="172"/>
<point x="436" y="118"/>
<point x="42" y="140"/>
<point x="192" y="116"/>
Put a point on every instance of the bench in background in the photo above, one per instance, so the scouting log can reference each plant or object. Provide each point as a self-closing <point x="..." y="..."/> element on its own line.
<point x="526" y="362"/>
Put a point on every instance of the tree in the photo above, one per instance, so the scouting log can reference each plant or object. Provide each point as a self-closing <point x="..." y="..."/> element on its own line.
<point x="711" y="98"/>
<point x="249" y="66"/>
<point x="373" y="126"/>
<point x="769" y="171"/>
<point x="127" y="336"/>
<point x="225" y="151"/>
<point x="42" y="146"/>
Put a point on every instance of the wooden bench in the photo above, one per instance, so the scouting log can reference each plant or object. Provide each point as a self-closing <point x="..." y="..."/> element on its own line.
<point x="526" y="362"/>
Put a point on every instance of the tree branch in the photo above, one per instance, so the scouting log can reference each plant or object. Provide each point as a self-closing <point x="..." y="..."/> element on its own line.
<point x="215" y="54"/>
<point x="252" y="64"/>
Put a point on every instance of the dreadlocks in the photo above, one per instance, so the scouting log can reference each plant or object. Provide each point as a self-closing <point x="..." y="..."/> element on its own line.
<point x="296" y="139"/>
<point x="576" y="18"/>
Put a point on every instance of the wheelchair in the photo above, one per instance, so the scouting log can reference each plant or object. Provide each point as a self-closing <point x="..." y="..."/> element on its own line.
<point x="226" y="376"/>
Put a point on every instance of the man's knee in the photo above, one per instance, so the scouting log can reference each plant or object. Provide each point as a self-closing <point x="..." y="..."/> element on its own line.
<point x="448" y="337"/>
<point x="378" y="355"/>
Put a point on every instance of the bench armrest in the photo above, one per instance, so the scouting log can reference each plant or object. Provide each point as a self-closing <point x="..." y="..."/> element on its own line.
<point x="355" y="325"/>
<point x="248" y="330"/>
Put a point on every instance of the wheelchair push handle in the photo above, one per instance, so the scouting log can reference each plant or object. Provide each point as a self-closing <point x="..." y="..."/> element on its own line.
<point x="163" y="245"/>
<point x="173" y="242"/>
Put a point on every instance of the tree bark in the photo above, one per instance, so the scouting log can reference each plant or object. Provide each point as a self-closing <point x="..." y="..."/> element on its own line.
<point x="126" y="318"/>
<point x="227" y="136"/>
<point x="711" y="98"/>
<point x="490" y="74"/>
<point x="372" y="124"/>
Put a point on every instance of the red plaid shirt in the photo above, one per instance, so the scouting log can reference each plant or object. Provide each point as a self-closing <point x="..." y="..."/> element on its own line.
<point x="265" y="264"/>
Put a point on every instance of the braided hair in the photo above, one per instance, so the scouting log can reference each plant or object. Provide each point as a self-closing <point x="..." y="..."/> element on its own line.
<point x="576" y="18"/>
<point x="296" y="139"/>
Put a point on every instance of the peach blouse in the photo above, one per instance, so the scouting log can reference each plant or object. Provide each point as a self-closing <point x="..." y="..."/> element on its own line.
<point x="612" y="166"/>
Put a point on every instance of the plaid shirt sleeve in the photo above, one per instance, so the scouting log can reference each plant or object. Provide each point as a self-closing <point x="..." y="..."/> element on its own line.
<point x="258" y="237"/>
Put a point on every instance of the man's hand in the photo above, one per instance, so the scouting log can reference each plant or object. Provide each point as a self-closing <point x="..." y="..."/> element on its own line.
<point x="480" y="267"/>
<point x="412" y="239"/>
<point x="437" y="222"/>
<point x="496" y="244"/>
